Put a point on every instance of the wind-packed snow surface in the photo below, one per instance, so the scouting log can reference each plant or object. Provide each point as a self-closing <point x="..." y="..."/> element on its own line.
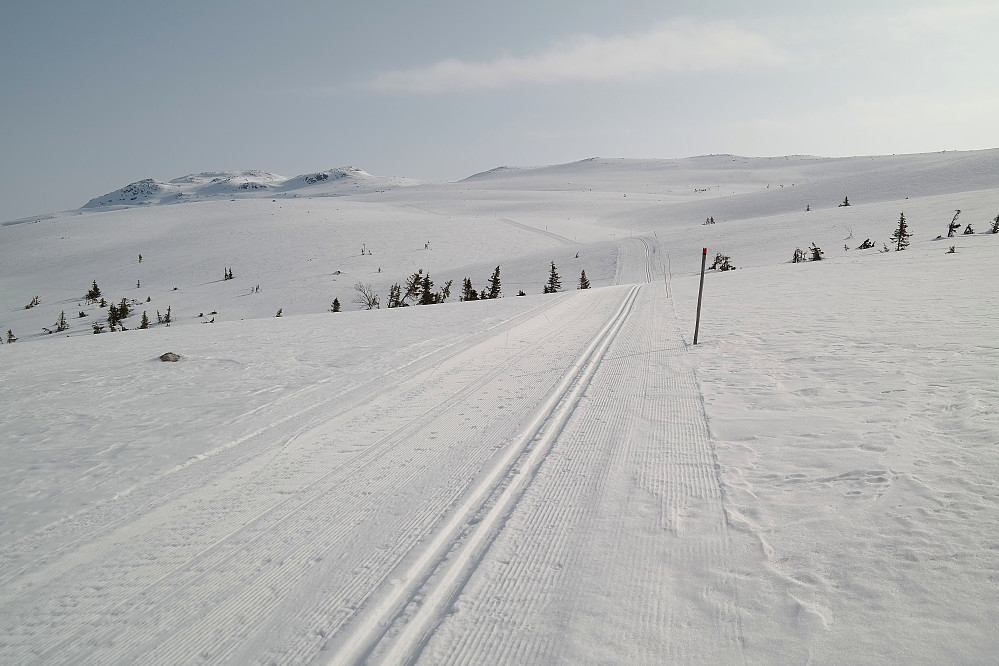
<point x="557" y="478"/>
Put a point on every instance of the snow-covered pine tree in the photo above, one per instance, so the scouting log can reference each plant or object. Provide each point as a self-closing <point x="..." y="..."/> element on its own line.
<point x="816" y="252"/>
<point x="494" y="284"/>
<point x="901" y="235"/>
<point x="554" y="281"/>
<point x="62" y="324"/>
<point x="11" y="338"/>
<point x="799" y="256"/>
<point x="584" y="282"/>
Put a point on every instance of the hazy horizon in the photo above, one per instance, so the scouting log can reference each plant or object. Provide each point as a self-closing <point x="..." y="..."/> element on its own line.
<point x="105" y="94"/>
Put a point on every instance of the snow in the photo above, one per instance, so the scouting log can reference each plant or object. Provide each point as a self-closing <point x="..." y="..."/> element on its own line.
<point x="550" y="478"/>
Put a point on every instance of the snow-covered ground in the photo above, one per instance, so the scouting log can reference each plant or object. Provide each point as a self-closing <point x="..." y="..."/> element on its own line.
<point x="550" y="478"/>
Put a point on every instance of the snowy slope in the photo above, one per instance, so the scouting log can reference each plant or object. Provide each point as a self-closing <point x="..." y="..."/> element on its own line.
<point x="553" y="478"/>
<point x="242" y="184"/>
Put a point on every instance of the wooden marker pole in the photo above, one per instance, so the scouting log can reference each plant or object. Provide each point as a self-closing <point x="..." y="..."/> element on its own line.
<point x="700" y="291"/>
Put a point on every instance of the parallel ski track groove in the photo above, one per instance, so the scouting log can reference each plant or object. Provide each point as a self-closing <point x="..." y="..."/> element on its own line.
<point x="212" y="556"/>
<point x="451" y="568"/>
<point x="521" y="604"/>
<point x="104" y="518"/>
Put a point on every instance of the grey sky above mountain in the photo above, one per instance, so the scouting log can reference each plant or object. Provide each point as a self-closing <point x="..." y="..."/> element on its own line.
<point x="97" y="95"/>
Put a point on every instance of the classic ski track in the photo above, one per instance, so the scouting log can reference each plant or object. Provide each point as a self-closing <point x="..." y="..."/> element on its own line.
<point x="439" y="573"/>
<point x="123" y="625"/>
<point x="528" y="597"/>
<point x="170" y="577"/>
<point x="113" y="513"/>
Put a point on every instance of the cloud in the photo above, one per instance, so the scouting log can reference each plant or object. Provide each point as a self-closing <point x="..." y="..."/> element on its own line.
<point x="678" y="46"/>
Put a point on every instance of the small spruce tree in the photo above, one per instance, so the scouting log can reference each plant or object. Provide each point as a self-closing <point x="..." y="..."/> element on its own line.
<point x="11" y="338"/>
<point x="335" y="307"/>
<point x="722" y="262"/>
<point x="846" y="202"/>
<point x="494" y="285"/>
<point x="395" y="296"/>
<point x="816" y="252"/>
<point x="94" y="293"/>
<point x="554" y="281"/>
<point x="123" y="310"/>
<point x="145" y="321"/>
<point x="584" y="282"/>
<point x="866" y="245"/>
<point x="427" y="295"/>
<point x="467" y="292"/>
<point x="414" y="284"/>
<point x="799" y="256"/>
<point x="62" y="324"/>
<point x="901" y="235"/>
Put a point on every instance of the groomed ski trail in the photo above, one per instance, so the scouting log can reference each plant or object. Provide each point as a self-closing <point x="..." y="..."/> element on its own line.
<point x="282" y="545"/>
<point x="620" y="550"/>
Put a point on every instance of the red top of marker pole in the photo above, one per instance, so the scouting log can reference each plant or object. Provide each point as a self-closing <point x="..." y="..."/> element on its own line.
<point x="705" y="251"/>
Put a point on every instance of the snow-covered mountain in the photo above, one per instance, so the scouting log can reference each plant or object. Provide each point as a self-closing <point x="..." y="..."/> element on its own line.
<point x="243" y="184"/>
<point x="553" y="478"/>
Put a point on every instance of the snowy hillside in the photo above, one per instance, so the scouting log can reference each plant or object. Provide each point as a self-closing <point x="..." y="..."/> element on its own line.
<point x="553" y="478"/>
<point x="217" y="184"/>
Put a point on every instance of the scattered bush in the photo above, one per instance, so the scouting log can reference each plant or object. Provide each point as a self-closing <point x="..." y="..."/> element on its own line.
<point x="953" y="226"/>
<point x="365" y="296"/>
<point x="722" y="263"/>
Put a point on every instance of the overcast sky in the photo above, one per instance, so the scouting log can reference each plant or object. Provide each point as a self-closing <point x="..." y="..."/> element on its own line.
<point x="99" y="94"/>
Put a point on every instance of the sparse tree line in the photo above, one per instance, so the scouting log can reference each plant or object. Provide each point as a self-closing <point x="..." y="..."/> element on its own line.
<point x="117" y="313"/>
<point x="418" y="289"/>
